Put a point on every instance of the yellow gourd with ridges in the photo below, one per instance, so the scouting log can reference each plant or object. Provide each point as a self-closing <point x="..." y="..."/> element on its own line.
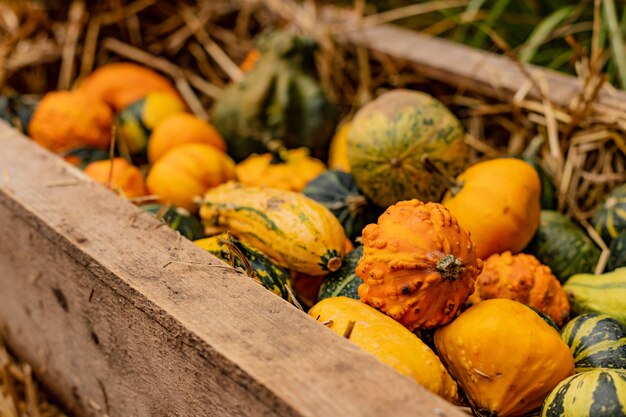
<point x="388" y="340"/>
<point x="295" y="231"/>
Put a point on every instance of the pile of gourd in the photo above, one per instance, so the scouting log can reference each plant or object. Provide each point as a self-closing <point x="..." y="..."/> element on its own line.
<point x="464" y="278"/>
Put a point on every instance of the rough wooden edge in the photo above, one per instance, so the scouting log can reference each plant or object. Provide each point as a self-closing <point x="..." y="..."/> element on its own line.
<point x="130" y="315"/>
<point x="472" y="69"/>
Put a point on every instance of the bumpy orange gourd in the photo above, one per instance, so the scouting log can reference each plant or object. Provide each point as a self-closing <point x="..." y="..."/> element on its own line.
<point x="180" y="129"/>
<point x="122" y="83"/>
<point x="418" y="264"/>
<point x="124" y="177"/>
<point x="522" y="278"/>
<point x="498" y="204"/>
<point x="287" y="170"/>
<point x="65" y="120"/>
<point x="505" y="356"/>
<point x="391" y="343"/>
<point x="187" y="172"/>
<point x="338" y="152"/>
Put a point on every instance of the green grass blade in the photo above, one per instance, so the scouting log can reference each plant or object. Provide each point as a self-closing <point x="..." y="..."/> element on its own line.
<point x="615" y="39"/>
<point x="542" y="32"/>
<point x="472" y="6"/>
<point x="498" y="8"/>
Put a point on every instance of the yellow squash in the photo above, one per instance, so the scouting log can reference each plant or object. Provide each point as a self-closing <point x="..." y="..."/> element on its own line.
<point x="388" y="340"/>
<point x="505" y="356"/>
<point x="295" y="231"/>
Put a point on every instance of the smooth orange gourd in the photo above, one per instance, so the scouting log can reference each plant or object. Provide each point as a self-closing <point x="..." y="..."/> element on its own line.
<point x="180" y="129"/>
<point x="187" y="172"/>
<point x="418" y="264"/>
<point x="498" y="203"/>
<point x="123" y="176"/>
<point x="122" y="83"/>
<point x="505" y="356"/>
<point x="522" y="278"/>
<point x="286" y="170"/>
<point x="64" y="120"/>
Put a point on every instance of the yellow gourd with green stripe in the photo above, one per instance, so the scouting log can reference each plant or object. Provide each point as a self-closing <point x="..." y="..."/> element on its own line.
<point x="293" y="230"/>
<point x="604" y="294"/>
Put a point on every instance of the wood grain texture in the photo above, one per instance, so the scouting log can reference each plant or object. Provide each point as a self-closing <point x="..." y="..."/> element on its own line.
<point x="473" y="69"/>
<point x="121" y="317"/>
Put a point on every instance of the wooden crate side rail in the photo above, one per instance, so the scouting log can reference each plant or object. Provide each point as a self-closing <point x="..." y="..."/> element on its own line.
<point x="122" y="317"/>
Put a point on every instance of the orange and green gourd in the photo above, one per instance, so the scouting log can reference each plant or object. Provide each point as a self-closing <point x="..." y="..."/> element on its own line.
<point x="418" y="264"/>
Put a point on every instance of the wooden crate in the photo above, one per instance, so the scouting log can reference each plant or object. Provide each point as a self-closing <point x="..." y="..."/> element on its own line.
<point x="122" y="317"/>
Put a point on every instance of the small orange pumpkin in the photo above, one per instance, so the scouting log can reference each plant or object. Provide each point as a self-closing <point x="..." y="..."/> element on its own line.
<point x="522" y="278"/>
<point x="122" y="83"/>
<point x="498" y="203"/>
<point x="286" y="170"/>
<point x="187" y="172"/>
<point x="418" y="264"/>
<point x="124" y="177"/>
<point x="180" y="129"/>
<point x="65" y="120"/>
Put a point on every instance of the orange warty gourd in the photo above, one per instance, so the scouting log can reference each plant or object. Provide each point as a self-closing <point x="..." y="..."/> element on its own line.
<point x="122" y="83"/>
<point x="125" y="178"/>
<point x="64" y="120"/>
<point x="522" y="278"/>
<point x="286" y="170"/>
<point x="180" y="129"/>
<point x="498" y="203"/>
<point x="505" y="356"/>
<point x="418" y="264"/>
<point x="187" y="172"/>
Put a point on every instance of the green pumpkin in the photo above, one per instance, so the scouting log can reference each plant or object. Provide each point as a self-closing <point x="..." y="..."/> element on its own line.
<point x="389" y="139"/>
<point x="178" y="219"/>
<point x="597" y="393"/>
<point x="604" y="294"/>
<point x="279" y="100"/>
<point x="135" y="123"/>
<point x="255" y="263"/>
<point x="344" y="281"/>
<point x="596" y="341"/>
<point x="563" y="246"/>
<point x="337" y="191"/>
<point x="617" y="259"/>
<point x="610" y="217"/>
<point x="17" y="110"/>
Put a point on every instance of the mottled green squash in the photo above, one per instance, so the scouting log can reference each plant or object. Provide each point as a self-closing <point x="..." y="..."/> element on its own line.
<point x="390" y="137"/>
<point x="337" y="191"/>
<point x="135" y="123"/>
<point x="563" y="246"/>
<point x="604" y="294"/>
<point x="256" y="264"/>
<point x="617" y="259"/>
<point x="280" y="99"/>
<point x="343" y="282"/>
<point x="597" y="393"/>
<point x="81" y="157"/>
<point x="596" y="341"/>
<point x="178" y="219"/>
<point x="610" y="217"/>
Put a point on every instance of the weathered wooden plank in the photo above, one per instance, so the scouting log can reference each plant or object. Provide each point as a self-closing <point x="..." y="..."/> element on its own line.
<point x="473" y="69"/>
<point x="121" y="317"/>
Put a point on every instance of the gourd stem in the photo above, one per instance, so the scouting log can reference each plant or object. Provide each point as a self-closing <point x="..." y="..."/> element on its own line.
<point x="356" y="203"/>
<point x="450" y="267"/>
<point x="453" y="185"/>
<point x="334" y="264"/>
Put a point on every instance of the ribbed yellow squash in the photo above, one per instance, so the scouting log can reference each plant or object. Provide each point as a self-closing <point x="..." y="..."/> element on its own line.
<point x="388" y="340"/>
<point x="295" y="231"/>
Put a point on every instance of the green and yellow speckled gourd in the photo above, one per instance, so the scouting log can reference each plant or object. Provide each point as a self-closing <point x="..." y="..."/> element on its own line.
<point x="418" y="264"/>
<point x="178" y="219"/>
<point x="504" y="356"/>
<point x="596" y="341"/>
<point x="610" y="217"/>
<point x="279" y="99"/>
<point x="293" y="230"/>
<point x="252" y="261"/>
<point x="389" y="341"/>
<point x="390" y="137"/>
<point x="597" y="393"/>
<point x="344" y="281"/>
